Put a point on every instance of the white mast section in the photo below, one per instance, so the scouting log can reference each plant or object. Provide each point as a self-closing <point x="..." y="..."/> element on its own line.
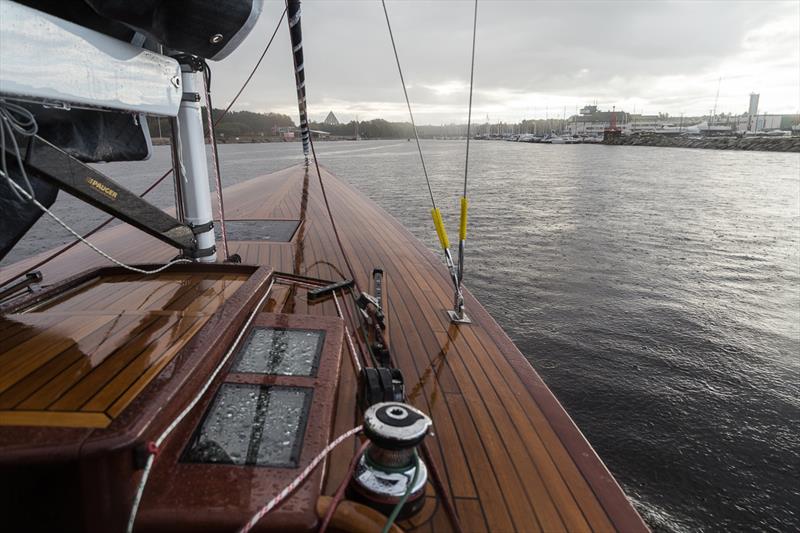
<point x="193" y="166"/>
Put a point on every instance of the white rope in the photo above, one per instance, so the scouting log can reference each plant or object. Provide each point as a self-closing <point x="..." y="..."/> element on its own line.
<point x="298" y="480"/>
<point x="78" y="236"/>
<point x="353" y="356"/>
<point x="148" y="466"/>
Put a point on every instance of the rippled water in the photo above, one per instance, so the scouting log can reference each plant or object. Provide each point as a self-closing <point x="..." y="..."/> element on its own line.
<point x="656" y="290"/>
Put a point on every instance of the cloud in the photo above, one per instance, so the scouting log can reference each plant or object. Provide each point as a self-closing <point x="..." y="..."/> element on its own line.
<point x="532" y="58"/>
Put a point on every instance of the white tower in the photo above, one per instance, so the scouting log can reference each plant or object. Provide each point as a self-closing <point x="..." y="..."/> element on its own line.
<point x="752" y="113"/>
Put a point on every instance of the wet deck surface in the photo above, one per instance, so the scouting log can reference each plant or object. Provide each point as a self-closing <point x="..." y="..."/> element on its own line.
<point x="510" y="457"/>
<point x="82" y="357"/>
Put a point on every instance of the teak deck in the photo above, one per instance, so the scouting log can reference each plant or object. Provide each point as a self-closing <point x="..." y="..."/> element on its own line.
<point x="509" y="455"/>
<point x="82" y="357"/>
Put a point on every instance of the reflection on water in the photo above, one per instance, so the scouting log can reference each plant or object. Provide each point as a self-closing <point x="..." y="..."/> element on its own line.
<point x="657" y="291"/>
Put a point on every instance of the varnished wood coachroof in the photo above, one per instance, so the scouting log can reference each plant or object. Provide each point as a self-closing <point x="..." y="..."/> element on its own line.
<point x="510" y="456"/>
<point x="80" y="358"/>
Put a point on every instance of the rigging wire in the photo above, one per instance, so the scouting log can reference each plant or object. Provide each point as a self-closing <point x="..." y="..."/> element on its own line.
<point x="330" y="216"/>
<point x="458" y="298"/>
<point x="215" y="160"/>
<point x="82" y="238"/>
<point x="252" y="72"/>
<point x="464" y="202"/>
<point x="408" y="103"/>
<point x="471" y="80"/>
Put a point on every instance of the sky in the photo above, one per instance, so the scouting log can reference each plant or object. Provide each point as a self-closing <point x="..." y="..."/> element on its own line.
<point x="533" y="59"/>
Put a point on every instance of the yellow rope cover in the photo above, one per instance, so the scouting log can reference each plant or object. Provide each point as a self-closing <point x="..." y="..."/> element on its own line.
<point x="437" y="221"/>
<point x="462" y="234"/>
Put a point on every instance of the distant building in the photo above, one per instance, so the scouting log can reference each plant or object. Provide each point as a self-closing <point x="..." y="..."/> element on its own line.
<point x="752" y="122"/>
<point x="331" y="120"/>
<point x="592" y="122"/>
<point x="763" y="122"/>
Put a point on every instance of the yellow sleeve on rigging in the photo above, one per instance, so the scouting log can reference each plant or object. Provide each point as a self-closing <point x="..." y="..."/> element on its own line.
<point x="440" y="231"/>
<point x="462" y="234"/>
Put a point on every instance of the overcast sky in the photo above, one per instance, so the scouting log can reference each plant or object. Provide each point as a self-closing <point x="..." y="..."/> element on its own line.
<point x="532" y="58"/>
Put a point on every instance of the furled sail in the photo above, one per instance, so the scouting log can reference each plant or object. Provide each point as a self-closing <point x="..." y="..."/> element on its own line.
<point x="296" y="35"/>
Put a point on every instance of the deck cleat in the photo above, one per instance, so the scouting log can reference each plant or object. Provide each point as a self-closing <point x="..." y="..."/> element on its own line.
<point x="390" y="470"/>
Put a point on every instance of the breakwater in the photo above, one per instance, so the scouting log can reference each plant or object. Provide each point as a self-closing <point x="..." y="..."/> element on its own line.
<point x="768" y="144"/>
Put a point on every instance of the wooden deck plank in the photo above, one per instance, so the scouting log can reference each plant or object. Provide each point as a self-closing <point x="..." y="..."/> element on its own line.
<point x="70" y="373"/>
<point x="50" y="418"/>
<point x="27" y="357"/>
<point x="75" y="361"/>
<point x="79" y="393"/>
<point x="470" y="512"/>
<point x="76" y="297"/>
<point x="149" y="368"/>
<point x="490" y="493"/>
<point x="510" y="400"/>
<point x="22" y="330"/>
<point x="517" y="481"/>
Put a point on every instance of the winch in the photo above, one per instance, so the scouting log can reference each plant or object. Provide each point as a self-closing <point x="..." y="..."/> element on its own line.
<point x="390" y="471"/>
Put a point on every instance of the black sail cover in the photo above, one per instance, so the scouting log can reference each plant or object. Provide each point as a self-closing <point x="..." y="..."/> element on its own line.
<point x="18" y="215"/>
<point x="210" y="29"/>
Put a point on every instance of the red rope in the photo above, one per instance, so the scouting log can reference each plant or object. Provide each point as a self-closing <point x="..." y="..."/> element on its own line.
<point x="337" y="497"/>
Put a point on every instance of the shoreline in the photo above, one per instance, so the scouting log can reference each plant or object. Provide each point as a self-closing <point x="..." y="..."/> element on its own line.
<point x="762" y="144"/>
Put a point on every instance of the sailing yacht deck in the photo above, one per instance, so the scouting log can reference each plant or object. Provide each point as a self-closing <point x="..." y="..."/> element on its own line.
<point x="509" y="455"/>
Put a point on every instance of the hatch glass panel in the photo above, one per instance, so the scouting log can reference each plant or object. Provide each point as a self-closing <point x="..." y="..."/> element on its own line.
<point x="258" y="230"/>
<point x="281" y="351"/>
<point x="253" y="425"/>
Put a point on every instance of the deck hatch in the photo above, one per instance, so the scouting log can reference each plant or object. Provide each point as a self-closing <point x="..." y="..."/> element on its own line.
<point x="252" y="425"/>
<point x="258" y="230"/>
<point x="281" y="351"/>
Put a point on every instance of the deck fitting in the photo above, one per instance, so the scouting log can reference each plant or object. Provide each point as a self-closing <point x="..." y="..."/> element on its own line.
<point x="455" y="318"/>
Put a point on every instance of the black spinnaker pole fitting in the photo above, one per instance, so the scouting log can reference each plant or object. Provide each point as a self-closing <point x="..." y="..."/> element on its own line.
<point x="296" y="34"/>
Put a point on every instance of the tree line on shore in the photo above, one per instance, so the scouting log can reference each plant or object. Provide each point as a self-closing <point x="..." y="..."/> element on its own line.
<point x="235" y="124"/>
<point x="248" y="124"/>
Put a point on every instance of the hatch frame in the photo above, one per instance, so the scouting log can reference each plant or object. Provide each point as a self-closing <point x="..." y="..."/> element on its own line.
<point x="177" y="485"/>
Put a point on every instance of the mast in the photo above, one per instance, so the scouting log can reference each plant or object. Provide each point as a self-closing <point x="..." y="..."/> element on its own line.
<point x="296" y="35"/>
<point x="192" y="167"/>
